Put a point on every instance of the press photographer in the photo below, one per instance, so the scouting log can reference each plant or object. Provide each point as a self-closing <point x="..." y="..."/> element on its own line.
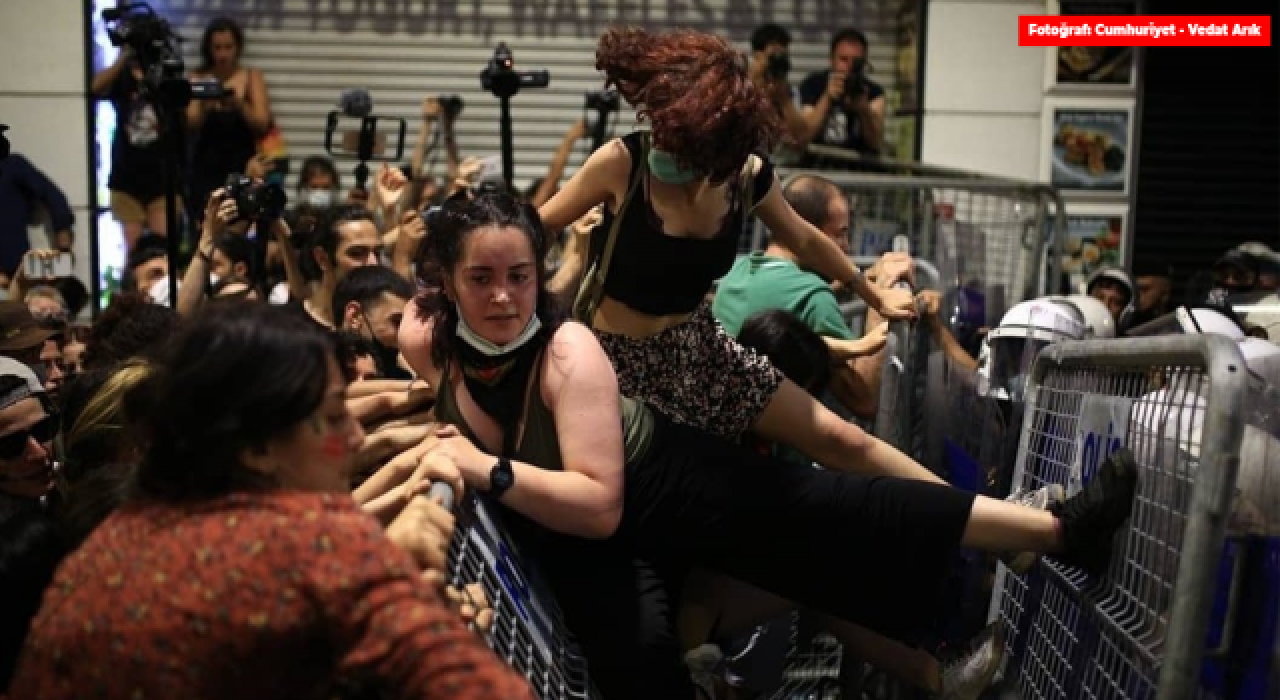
<point x="842" y="106"/>
<point x="230" y="131"/>
<point x="137" y="194"/>
<point x="770" y="68"/>
<point x="223" y="252"/>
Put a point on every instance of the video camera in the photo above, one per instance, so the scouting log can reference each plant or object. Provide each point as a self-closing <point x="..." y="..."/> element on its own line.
<point x="135" y="27"/>
<point x="451" y="105"/>
<point x="502" y="79"/>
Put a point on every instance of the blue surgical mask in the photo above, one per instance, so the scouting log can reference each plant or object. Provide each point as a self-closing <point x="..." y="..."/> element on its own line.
<point x="664" y="167"/>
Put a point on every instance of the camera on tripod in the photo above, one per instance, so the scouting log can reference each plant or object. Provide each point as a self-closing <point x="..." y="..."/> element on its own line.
<point x="603" y="100"/>
<point x="779" y="65"/>
<point x="256" y="201"/>
<point x="502" y="79"/>
<point x="450" y="105"/>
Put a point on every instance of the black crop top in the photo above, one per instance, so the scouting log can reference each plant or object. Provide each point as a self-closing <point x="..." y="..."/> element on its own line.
<point x="658" y="274"/>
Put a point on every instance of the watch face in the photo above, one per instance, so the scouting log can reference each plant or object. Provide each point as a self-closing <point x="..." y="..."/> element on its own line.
<point x="501" y="479"/>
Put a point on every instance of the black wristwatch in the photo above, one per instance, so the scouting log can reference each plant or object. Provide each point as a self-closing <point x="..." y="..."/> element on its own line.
<point x="501" y="478"/>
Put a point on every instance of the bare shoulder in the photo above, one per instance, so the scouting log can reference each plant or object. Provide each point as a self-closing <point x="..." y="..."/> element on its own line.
<point x="613" y="163"/>
<point x="575" y="358"/>
<point x="415" y="340"/>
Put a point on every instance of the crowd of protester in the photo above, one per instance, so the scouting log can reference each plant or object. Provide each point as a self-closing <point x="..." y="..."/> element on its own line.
<point x="225" y="494"/>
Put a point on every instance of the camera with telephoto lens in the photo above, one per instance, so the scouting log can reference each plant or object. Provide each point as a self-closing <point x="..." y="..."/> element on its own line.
<point x="602" y="100"/>
<point x="856" y="83"/>
<point x="256" y="201"/>
<point x="779" y="65"/>
<point x="451" y="105"/>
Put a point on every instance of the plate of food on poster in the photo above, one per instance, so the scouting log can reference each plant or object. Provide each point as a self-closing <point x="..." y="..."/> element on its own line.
<point x="1090" y="149"/>
<point x="1095" y="65"/>
<point x="1092" y="241"/>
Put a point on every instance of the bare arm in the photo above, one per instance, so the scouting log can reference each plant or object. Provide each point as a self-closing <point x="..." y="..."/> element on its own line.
<point x="813" y="249"/>
<point x="931" y="301"/>
<point x="297" y="282"/>
<point x="585" y="498"/>
<point x="797" y="125"/>
<point x="871" y="116"/>
<point x="219" y="211"/>
<point x="380" y="386"/>
<point x="597" y="182"/>
<point x="104" y="78"/>
<point x="257" y="108"/>
<point x="856" y="389"/>
<point x="430" y="110"/>
<point x="558" y="163"/>
<point x="815" y="116"/>
<point x="452" y="158"/>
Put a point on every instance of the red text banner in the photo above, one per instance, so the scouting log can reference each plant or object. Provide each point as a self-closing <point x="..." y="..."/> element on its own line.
<point x="1144" y="30"/>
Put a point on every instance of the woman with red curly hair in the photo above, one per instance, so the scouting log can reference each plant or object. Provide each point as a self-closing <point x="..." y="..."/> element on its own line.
<point x="685" y="191"/>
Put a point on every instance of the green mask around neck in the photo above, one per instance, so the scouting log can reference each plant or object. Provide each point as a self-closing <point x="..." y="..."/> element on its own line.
<point x="664" y="167"/>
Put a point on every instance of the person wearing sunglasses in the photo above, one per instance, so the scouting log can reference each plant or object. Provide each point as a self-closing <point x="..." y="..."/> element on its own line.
<point x="27" y="428"/>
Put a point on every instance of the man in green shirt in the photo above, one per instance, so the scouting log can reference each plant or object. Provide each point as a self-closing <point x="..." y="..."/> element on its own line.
<point x="773" y="280"/>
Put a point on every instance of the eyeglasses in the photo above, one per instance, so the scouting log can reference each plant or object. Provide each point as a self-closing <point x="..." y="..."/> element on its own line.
<point x="14" y="444"/>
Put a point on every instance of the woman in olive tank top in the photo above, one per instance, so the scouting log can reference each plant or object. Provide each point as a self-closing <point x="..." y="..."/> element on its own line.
<point x="615" y="500"/>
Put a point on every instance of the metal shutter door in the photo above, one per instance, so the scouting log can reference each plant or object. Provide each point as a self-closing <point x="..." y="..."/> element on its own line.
<point x="405" y="50"/>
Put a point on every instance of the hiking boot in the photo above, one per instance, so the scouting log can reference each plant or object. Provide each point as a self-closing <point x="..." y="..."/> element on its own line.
<point x="1089" y="519"/>
<point x="965" y="676"/>
<point x="1040" y="499"/>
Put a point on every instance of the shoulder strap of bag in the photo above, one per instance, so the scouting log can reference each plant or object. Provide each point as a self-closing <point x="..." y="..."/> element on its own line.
<point x="748" y="186"/>
<point x="592" y="289"/>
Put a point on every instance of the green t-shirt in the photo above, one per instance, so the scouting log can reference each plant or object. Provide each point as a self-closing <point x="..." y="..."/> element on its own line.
<point x="759" y="282"/>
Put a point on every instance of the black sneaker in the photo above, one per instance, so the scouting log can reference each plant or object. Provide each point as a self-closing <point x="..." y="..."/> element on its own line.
<point x="1090" y="518"/>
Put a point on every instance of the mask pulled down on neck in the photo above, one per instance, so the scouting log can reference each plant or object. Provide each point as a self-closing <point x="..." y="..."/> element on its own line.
<point x="495" y="375"/>
<point x="490" y="349"/>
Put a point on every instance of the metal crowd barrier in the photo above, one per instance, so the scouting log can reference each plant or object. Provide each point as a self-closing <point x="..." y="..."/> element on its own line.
<point x="528" y="632"/>
<point x="987" y="236"/>
<point x="1171" y="604"/>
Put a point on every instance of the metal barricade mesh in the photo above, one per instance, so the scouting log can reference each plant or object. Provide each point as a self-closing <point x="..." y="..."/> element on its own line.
<point x="527" y="631"/>
<point x="813" y="667"/>
<point x="983" y="233"/>
<point x="1141" y="627"/>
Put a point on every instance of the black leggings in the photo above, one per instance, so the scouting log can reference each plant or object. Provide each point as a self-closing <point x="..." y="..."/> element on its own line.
<point x="866" y="549"/>
<point x="870" y="550"/>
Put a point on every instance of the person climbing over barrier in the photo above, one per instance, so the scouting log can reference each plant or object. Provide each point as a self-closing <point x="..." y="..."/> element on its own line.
<point x="615" y="499"/>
